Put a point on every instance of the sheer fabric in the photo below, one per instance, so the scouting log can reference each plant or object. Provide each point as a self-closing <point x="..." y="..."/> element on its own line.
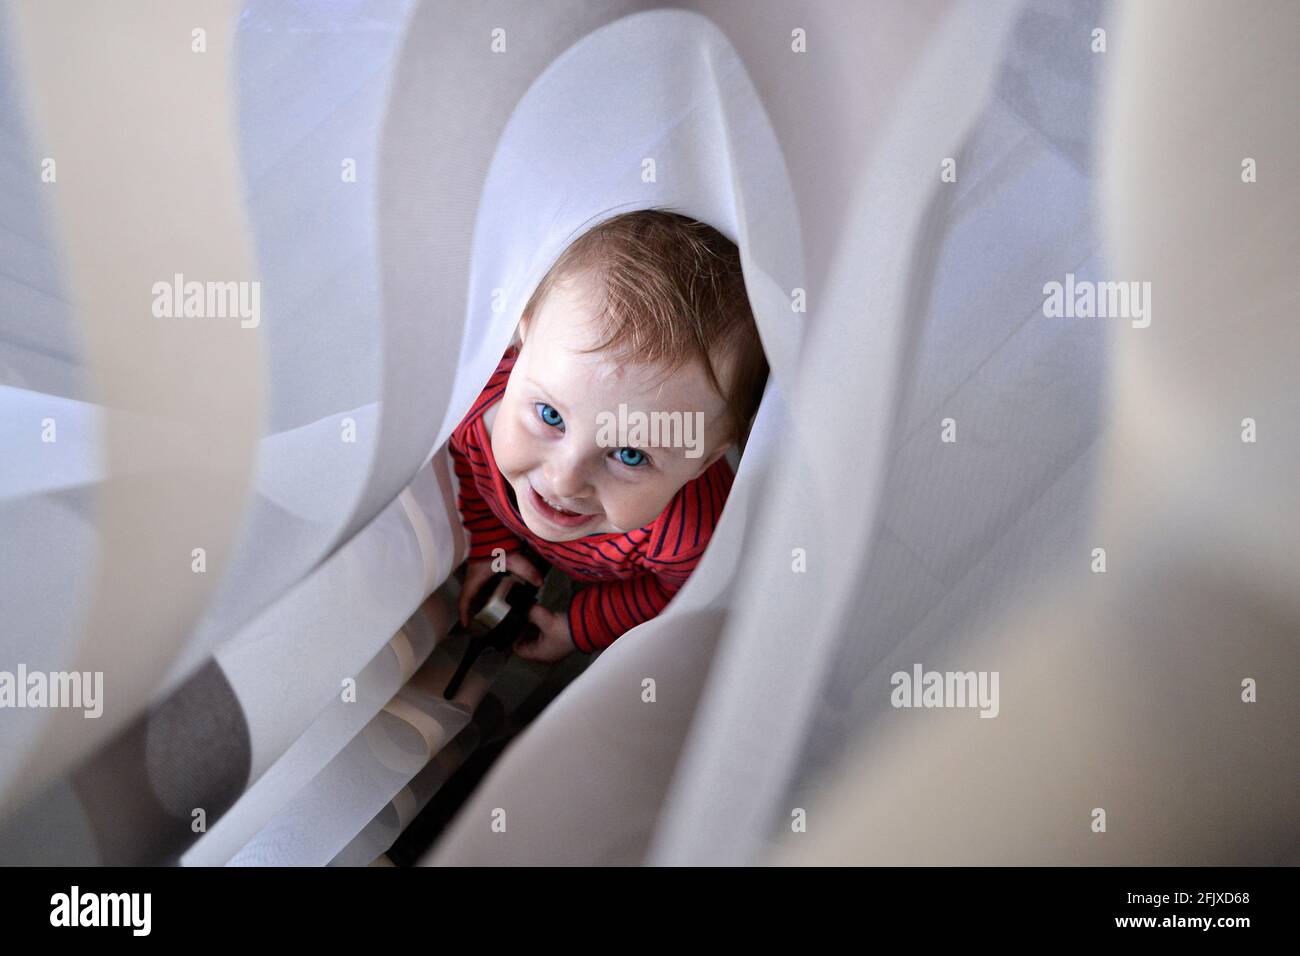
<point x="397" y="176"/>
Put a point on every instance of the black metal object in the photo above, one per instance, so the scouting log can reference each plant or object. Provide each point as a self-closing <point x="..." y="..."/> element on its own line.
<point x="499" y="615"/>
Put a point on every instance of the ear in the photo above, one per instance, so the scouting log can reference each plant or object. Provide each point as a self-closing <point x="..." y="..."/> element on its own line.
<point x="711" y="459"/>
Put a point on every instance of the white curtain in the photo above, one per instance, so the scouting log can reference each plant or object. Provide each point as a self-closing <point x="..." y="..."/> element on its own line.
<point x="1149" y="714"/>
<point x="397" y="176"/>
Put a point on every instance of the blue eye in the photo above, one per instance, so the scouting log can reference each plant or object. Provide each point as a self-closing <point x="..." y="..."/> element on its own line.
<point x="631" y="457"/>
<point x="548" y="414"/>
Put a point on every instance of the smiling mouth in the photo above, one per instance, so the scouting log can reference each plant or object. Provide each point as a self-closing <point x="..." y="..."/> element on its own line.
<point x="554" y="513"/>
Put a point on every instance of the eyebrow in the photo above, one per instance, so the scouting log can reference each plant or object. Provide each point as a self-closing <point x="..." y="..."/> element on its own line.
<point x="545" y="393"/>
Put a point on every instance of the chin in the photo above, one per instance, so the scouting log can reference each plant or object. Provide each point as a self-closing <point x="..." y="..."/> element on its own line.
<point x="551" y="536"/>
<point x="558" y="535"/>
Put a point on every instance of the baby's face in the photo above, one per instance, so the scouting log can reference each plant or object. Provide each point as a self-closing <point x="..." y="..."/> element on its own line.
<point x="558" y="408"/>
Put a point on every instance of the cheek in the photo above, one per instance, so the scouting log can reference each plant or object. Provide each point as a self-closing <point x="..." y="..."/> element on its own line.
<point x="630" y="505"/>
<point x="512" y="445"/>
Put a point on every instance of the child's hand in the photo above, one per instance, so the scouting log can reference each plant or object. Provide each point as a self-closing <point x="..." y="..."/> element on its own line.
<point x="554" y="642"/>
<point x="477" y="574"/>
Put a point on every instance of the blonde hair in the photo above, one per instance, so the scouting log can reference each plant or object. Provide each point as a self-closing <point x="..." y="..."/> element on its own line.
<point x="671" y="290"/>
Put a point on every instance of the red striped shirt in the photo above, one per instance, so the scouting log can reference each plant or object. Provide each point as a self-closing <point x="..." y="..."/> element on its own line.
<point x="622" y="578"/>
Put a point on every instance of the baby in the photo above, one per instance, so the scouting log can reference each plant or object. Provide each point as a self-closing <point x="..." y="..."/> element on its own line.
<point x="599" y="440"/>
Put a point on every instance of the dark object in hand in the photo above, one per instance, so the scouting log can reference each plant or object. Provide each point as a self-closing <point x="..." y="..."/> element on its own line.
<point x="498" y="616"/>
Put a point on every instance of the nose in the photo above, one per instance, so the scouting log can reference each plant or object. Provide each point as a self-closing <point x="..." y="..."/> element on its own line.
<point x="566" y="473"/>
